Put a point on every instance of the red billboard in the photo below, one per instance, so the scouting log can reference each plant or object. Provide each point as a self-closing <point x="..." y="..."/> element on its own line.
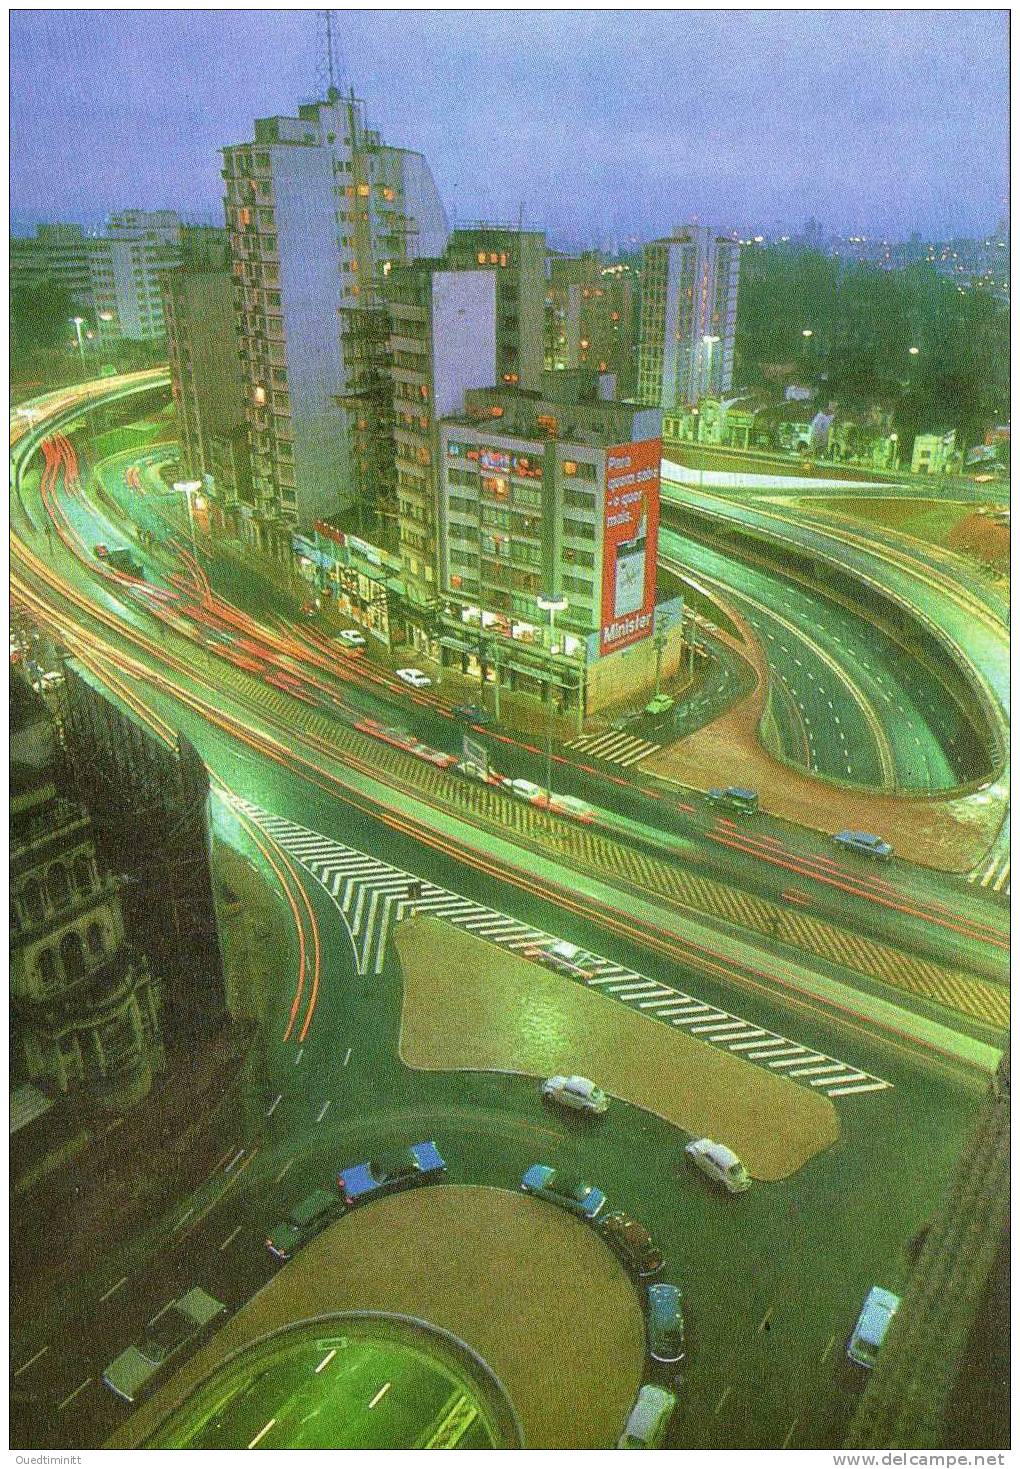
<point x="630" y="542"/>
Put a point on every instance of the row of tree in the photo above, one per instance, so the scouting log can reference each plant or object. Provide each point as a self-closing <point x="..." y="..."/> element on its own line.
<point x="862" y="322"/>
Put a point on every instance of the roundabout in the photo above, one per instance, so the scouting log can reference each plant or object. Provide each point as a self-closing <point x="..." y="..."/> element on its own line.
<point x="515" y="1315"/>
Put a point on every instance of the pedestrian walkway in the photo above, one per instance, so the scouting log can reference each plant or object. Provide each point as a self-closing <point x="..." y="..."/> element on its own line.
<point x="617" y="747"/>
<point x="372" y="896"/>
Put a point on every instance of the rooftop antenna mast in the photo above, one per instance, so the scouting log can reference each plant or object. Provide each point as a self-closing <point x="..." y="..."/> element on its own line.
<point x="329" y="70"/>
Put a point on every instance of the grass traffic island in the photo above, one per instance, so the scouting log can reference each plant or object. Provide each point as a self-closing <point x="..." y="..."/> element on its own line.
<point x="532" y="1291"/>
<point x="470" y="1006"/>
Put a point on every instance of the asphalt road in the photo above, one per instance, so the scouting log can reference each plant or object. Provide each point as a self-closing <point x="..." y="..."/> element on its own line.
<point x="773" y="1279"/>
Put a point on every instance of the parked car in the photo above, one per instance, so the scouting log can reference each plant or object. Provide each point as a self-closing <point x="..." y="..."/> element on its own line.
<point x="719" y="1163"/>
<point x="633" y="1243"/>
<point x="166" y="1335"/>
<point x="571" y="1193"/>
<point x="564" y="957"/>
<point x="864" y="842"/>
<point x="351" y="638"/>
<point x="735" y="798"/>
<point x="666" y="1335"/>
<point x="390" y="1172"/>
<point x="872" y="1324"/>
<point x="415" y="678"/>
<point x="472" y="714"/>
<point x="649" y="1419"/>
<point x="576" y="1093"/>
<point x="307" y="1219"/>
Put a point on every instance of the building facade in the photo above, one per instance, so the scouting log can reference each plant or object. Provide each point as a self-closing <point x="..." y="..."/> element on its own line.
<point x="85" y="1012"/>
<point x="689" y="287"/>
<point x="56" y="252"/>
<point x="442" y="342"/>
<point x="544" y="498"/>
<point x="518" y="259"/>
<point x="317" y="210"/>
<point x="590" y="318"/>
<point x="126" y="265"/>
<point x="205" y="376"/>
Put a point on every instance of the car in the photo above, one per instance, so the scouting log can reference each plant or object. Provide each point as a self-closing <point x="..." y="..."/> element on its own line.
<point x="481" y="773"/>
<point x="389" y="1173"/>
<point x="649" y="1419"/>
<point x="864" y="842"/>
<point x="872" y="1324"/>
<point x="351" y="638"/>
<point x="666" y="1336"/>
<point x="564" y="957"/>
<point x="633" y="1243"/>
<point x="415" y="678"/>
<point x="718" y="1163"/>
<point x="166" y="1336"/>
<point x="576" y="1093"/>
<point x="472" y="714"/>
<point x="307" y="1219"/>
<point x="574" y="807"/>
<point x="101" y="551"/>
<point x="660" y="704"/>
<point x="571" y="1193"/>
<point x="524" y="790"/>
<point x="736" y="798"/>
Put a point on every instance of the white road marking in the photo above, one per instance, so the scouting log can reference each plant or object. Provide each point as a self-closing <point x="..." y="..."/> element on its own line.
<point x="718" y="1406"/>
<point x="231" y="1237"/>
<point x="324" y="1108"/>
<point x="348" y="1056"/>
<point x="113" y="1289"/>
<point x="235" y="1159"/>
<point x="790" y="1433"/>
<point x="26" y="1365"/>
<point x="297" y="1058"/>
<point x="380" y="1394"/>
<point x="326" y="1360"/>
<point x="274" y="1106"/>
<point x="829" y="1346"/>
<point x="262" y="1433"/>
<point x="284" y="1170"/>
<point x="71" y="1396"/>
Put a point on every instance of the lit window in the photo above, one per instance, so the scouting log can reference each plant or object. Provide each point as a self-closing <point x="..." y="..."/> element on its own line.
<point x="259" y="394"/>
<point x="569" y="467"/>
<point x="481" y="257"/>
<point x="388" y="194"/>
<point x="494" y="258"/>
<point x="363" y="191"/>
<point x="502" y="260"/>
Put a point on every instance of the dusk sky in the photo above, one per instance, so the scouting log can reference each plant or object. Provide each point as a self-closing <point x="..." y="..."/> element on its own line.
<point x="601" y="124"/>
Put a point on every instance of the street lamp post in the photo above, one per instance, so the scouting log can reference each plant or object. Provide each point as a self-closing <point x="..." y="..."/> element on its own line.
<point x="190" y="487"/>
<point x="709" y="342"/>
<point x="552" y="605"/>
<point x="79" y="322"/>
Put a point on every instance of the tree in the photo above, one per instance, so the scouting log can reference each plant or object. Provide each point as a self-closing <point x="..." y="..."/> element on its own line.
<point x="40" y="317"/>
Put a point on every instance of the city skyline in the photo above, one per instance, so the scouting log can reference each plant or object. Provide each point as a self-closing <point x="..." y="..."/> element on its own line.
<point x="841" y="137"/>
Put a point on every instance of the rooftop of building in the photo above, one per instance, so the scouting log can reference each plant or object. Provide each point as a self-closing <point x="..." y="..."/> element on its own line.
<point x="562" y="411"/>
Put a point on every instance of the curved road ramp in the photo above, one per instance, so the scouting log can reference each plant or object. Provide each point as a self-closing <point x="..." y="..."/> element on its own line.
<point x="468" y="1008"/>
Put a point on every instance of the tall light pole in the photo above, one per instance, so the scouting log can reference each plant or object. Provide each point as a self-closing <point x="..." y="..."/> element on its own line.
<point x="79" y="322"/>
<point x="709" y="342"/>
<point x="552" y="605"/>
<point x="190" y="487"/>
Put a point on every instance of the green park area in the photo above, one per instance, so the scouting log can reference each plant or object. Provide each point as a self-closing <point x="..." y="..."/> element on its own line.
<point x="470" y="1006"/>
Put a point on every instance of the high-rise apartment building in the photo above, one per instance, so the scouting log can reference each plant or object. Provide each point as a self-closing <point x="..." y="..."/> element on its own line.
<point x="442" y="341"/>
<point x="205" y="375"/>
<point x="689" y="288"/>
<point x="590" y="318"/>
<point x="518" y="259"/>
<point x="318" y="211"/>
<point x="125" y="266"/>
<point x="56" y="252"/>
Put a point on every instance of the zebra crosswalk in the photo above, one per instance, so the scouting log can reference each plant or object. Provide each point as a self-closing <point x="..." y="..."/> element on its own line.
<point x="617" y="747"/>
<point x="993" y="875"/>
<point x="372" y="895"/>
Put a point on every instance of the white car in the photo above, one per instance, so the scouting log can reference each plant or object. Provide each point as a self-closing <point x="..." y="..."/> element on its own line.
<point x="525" y="790"/>
<point x="351" y="638"/>
<point x="720" y="1164"/>
<point x="415" y="678"/>
<point x="576" y="1093"/>
<point x="572" y="806"/>
<point x="649" y="1419"/>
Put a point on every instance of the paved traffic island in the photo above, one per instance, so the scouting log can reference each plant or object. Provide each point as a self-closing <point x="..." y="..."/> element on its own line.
<point x="470" y="1006"/>
<point x="526" y="1287"/>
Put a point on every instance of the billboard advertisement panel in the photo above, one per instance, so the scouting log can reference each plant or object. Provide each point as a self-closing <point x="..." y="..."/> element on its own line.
<point x="629" y="543"/>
